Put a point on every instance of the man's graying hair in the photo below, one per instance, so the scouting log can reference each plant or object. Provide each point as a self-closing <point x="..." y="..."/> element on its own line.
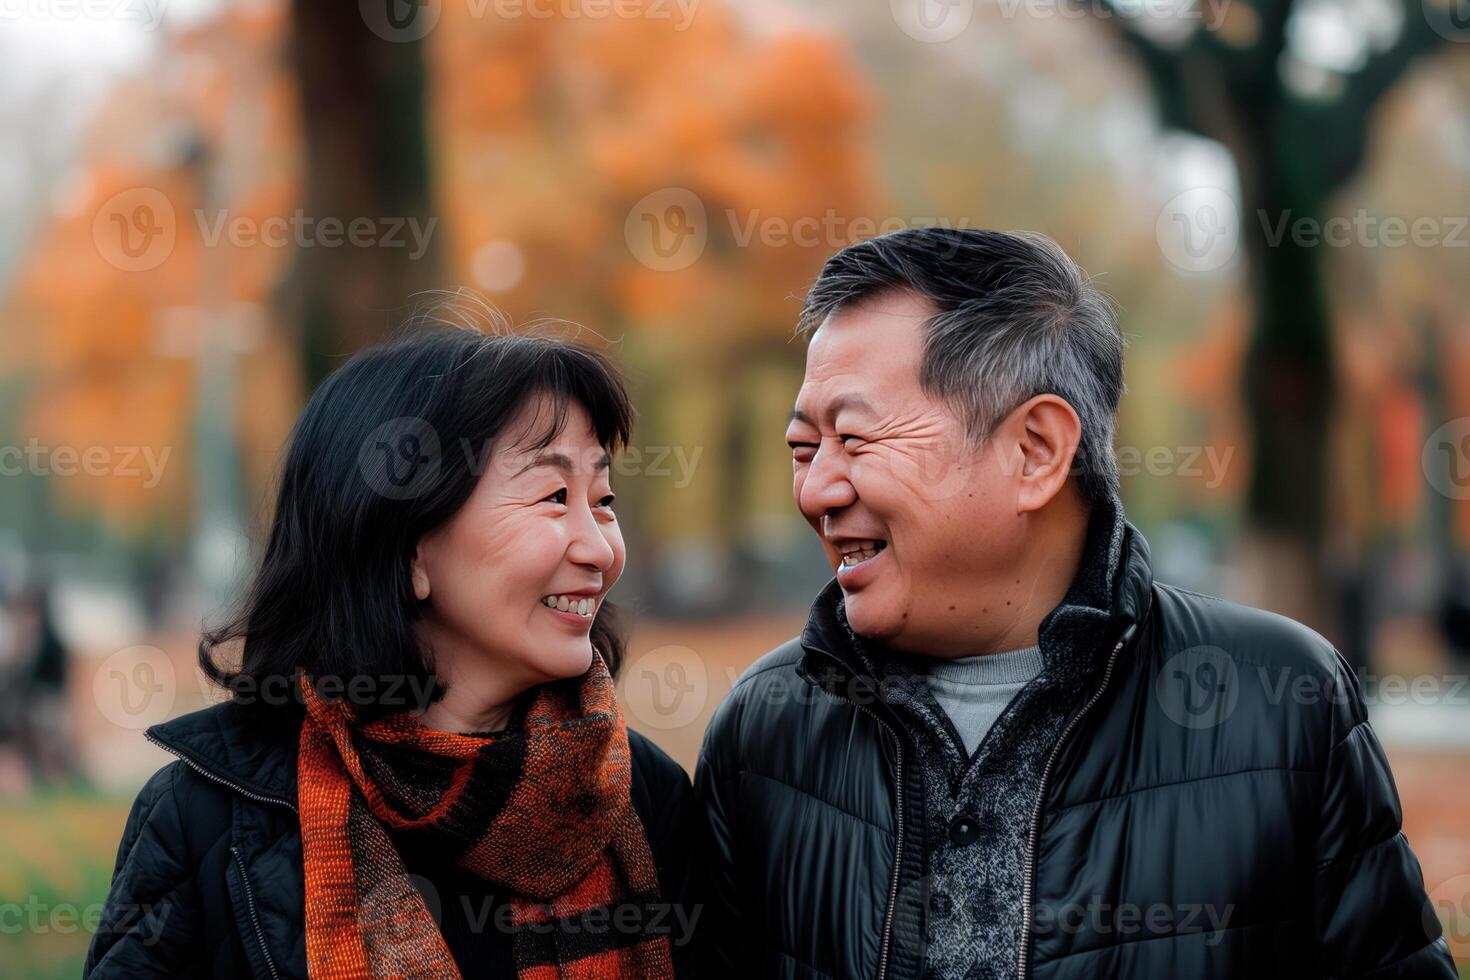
<point x="1017" y="318"/>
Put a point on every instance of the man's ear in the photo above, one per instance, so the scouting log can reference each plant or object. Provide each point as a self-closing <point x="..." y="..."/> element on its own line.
<point x="1048" y="432"/>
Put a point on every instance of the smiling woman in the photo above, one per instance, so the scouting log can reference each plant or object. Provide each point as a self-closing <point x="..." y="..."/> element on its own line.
<point x="423" y="769"/>
<point x="539" y="537"/>
<point x="421" y="493"/>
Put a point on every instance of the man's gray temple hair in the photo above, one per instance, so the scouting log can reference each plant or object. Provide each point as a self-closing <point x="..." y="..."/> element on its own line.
<point x="1016" y="318"/>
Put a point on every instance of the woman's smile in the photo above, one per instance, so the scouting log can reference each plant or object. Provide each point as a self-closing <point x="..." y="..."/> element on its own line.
<point x="576" y="609"/>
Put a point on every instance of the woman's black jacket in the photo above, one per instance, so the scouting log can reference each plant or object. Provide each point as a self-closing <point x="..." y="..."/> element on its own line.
<point x="209" y="876"/>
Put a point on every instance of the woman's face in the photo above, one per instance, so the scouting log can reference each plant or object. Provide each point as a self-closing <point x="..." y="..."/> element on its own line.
<point x="516" y="577"/>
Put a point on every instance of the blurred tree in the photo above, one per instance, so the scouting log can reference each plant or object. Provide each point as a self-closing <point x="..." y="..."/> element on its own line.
<point x="112" y="344"/>
<point x="366" y="156"/>
<point x="1296" y="118"/>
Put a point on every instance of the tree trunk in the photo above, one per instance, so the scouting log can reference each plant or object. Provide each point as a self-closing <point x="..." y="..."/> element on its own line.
<point x="1288" y="388"/>
<point x="366" y="160"/>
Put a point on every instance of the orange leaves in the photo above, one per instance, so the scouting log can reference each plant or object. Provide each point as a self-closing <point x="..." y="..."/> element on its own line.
<point x="565" y="123"/>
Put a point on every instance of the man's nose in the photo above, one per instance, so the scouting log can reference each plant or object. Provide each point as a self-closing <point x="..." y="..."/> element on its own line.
<point x="826" y="486"/>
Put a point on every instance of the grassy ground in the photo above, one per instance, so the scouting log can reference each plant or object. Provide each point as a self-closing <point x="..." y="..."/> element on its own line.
<point x="56" y="856"/>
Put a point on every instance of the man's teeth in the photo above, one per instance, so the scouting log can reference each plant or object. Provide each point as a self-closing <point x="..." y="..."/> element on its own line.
<point x="581" y="605"/>
<point x="860" y="551"/>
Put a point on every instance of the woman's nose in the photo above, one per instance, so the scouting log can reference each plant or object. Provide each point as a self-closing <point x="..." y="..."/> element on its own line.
<point x="589" y="546"/>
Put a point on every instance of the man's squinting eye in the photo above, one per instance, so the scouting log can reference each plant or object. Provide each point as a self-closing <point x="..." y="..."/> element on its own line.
<point x="802" y="452"/>
<point x="560" y="497"/>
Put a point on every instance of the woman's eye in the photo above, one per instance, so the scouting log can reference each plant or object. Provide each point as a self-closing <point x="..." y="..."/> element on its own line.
<point x="560" y="497"/>
<point x="802" y="452"/>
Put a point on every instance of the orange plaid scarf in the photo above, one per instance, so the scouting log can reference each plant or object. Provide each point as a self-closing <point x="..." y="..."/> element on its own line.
<point x="542" y="811"/>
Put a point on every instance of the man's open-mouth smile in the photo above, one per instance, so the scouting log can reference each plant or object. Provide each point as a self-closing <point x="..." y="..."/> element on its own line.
<point x="859" y="556"/>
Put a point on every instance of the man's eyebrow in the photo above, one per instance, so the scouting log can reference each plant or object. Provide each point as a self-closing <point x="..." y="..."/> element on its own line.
<point x="838" y="404"/>
<point x="563" y="462"/>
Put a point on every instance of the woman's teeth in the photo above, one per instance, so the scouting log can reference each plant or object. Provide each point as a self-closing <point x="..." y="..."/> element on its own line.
<point x="861" y="551"/>
<point x="581" y="605"/>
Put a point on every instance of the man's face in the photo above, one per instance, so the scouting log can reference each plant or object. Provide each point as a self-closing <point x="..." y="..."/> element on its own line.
<point x="918" y="525"/>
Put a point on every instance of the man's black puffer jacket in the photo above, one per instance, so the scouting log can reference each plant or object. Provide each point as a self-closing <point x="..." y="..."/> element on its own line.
<point x="1219" y="807"/>
<point x="209" y="877"/>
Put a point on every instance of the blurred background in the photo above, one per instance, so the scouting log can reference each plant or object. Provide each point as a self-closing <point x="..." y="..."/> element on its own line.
<point x="206" y="206"/>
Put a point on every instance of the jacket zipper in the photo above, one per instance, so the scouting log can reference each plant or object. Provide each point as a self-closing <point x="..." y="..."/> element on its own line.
<point x="239" y="861"/>
<point x="208" y="774"/>
<point x="898" y="787"/>
<point x="1028" y="870"/>
<point x="254" y="919"/>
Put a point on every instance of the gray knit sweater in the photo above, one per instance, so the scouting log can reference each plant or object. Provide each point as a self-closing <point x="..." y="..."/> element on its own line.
<point x="973" y="691"/>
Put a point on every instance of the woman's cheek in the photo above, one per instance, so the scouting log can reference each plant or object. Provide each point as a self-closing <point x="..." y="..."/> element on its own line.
<point x="614" y="535"/>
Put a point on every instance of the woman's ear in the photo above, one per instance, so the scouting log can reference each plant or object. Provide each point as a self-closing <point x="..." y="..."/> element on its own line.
<point x="1050" y="434"/>
<point x="419" y="573"/>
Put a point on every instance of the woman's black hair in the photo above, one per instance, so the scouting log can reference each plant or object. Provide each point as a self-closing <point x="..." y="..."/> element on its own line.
<point x="388" y="448"/>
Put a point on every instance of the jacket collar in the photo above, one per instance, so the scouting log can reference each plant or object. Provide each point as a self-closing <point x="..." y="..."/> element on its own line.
<point x="1134" y="590"/>
<point x="1116" y="575"/>
<point x="238" y="748"/>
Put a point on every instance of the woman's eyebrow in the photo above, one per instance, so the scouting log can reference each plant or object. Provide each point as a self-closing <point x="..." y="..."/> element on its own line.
<point x="563" y="462"/>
